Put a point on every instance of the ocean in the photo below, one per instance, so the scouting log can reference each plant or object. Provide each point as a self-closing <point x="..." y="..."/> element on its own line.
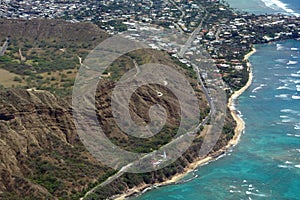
<point x="266" y="162"/>
<point x="291" y="7"/>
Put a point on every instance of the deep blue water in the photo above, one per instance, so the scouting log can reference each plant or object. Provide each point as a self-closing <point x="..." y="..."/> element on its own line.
<point x="266" y="162"/>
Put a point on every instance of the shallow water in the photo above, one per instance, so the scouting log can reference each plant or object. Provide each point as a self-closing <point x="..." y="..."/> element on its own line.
<point x="291" y="7"/>
<point x="265" y="164"/>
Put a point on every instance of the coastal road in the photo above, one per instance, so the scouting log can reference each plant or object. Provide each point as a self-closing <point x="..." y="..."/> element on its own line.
<point x="212" y="106"/>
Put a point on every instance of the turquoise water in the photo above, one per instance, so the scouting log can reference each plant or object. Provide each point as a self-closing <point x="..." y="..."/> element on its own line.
<point x="291" y="7"/>
<point x="266" y="163"/>
<point x="253" y="6"/>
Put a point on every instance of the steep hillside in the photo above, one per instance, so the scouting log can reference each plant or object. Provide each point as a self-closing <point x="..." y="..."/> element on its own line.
<point x="45" y="54"/>
<point x="41" y="155"/>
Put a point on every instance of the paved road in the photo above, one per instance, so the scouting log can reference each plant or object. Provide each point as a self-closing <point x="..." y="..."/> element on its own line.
<point x="213" y="109"/>
<point x="180" y="18"/>
<point x="192" y="37"/>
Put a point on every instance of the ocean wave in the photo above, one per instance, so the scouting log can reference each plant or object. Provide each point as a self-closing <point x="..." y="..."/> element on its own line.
<point x="289" y="111"/>
<point x="255" y="194"/>
<point x="290" y="67"/>
<point x="287" y="120"/>
<point x="284" y="116"/>
<point x="295" y="75"/>
<point x="295" y="97"/>
<point x="293" y="135"/>
<point x="258" y="88"/>
<point x="297" y="127"/>
<point x="294" y="49"/>
<point x="285" y="87"/>
<point x="281" y="61"/>
<point x="237" y="191"/>
<point x="285" y="81"/>
<point x="279" y="47"/>
<point x="278" y="75"/>
<point x="276" y="5"/>
<point x="291" y="62"/>
<point x="284" y="166"/>
<point x="296" y="81"/>
<point x="282" y="96"/>
<point x="298" y="166"/>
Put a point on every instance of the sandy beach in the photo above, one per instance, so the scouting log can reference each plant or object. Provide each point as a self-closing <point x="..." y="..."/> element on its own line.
<point x="240" y="126"/>
<point x="231" y="102"/>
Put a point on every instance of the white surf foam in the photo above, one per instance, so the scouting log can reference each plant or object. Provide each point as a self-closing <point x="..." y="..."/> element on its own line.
<point x="284" y="166"/>
<point x="297" y="127"/>
<point x="289" y="111"/>
<point x="255" y="194"/>
<point x="296" y="135"/>
<point x="282" y="96"/>
<point x="233" y="191"/>
<point x="294" y="49"/>
<point x="281" y="61"/>
<point x="291" y="62"/>
<point x="279" y="47"/>
<point x="285" y="81"/>
<point x="295" y="75"/>
<point x="290" y="67"/>
<point x="296" y="97"/>
<point x="258" y="88"/>
<point x="296" y="81"/>
<point x="285" y="87"/>
<point x="284" y="116"/>
<point x="276" y="5"/>
<point x="286" y="120"/>
<point x="293" y="135"/>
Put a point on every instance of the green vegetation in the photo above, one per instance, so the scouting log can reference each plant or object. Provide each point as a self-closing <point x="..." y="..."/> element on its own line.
<point x="116" y="24"/>
<point x="50" y="61"/>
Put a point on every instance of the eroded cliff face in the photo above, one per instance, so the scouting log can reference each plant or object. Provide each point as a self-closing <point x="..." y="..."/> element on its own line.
<point x="43" y="158"/>
<point x="40" y="154"/>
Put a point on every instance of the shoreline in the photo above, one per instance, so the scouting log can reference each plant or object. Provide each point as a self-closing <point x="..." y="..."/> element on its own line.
<point x="240" y="126"/>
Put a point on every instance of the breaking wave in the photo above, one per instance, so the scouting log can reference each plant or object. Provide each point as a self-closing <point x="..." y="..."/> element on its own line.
<point x="278" y="5"/>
